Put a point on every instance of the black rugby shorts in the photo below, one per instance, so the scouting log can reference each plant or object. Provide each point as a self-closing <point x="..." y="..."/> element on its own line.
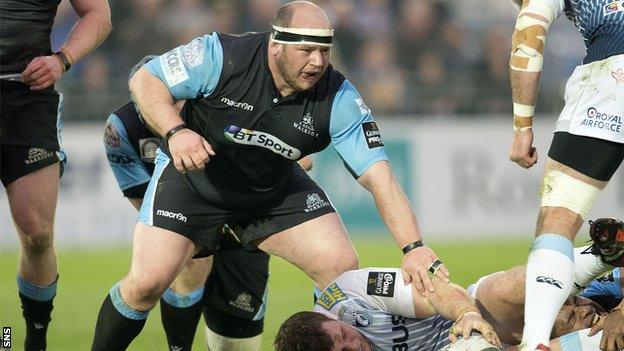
<point x="595" y="158"/>
<point x="171" y="203"/>
<point x="236" y="286"/>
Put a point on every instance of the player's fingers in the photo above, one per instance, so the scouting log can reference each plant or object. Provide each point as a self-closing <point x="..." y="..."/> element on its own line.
<point x="208" y="147"/>
<point x="619" y="342"/>
<point x="466" y="331"/>
<point x="442" y="273"/>
<point x="177" y="162"/>
<point x="41" y="86"/>
<point x="188" y="163"/>
<point x="32" y="66"/>
<point x="596" y="328"/>
<point x="426" y="281"/>
<point x="198" y="161"/>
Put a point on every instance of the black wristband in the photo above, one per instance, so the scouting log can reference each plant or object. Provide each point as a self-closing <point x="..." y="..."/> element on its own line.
<point x="64" y="60"/>
<point x="411" y="246"/>
<point x="174" y="130"/>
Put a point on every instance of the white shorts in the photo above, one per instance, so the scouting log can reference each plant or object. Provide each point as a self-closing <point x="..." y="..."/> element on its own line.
<point x="594" y="101"/>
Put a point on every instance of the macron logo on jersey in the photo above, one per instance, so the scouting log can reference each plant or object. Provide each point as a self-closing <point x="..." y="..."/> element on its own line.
<point x="244" y="136"/>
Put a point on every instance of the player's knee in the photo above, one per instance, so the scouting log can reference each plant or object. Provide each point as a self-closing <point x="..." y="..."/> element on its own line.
<point x="146" y="290"/>
<point x="561" y="190"/>
<point x="330" y="269"/>
<point x="36" y="240"/>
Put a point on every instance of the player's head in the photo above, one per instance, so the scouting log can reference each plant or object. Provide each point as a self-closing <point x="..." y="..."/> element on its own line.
<point x="315" y="331"/>
<point x="300" y="45"/>
<point x="577" y="313"/>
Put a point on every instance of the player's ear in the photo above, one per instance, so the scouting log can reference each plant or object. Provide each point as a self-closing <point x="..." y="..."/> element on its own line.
<point x="274" y="48"/>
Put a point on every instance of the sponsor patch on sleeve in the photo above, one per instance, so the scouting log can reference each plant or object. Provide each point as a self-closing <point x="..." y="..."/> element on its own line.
<point x="381" y="284"/>
<point x="193" y="53"/>
<point x="173" y="68"/>
<point x="372" y="134"/>
<point x="331" y="296"/>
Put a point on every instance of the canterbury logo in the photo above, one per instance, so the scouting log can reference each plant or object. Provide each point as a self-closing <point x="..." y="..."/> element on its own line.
<point x="618" y="76"/>
<point x="548" y="280"/>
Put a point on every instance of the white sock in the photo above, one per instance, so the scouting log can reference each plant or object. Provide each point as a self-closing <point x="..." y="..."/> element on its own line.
<point x="587" y="267"/>
<point x="549" y="278"/>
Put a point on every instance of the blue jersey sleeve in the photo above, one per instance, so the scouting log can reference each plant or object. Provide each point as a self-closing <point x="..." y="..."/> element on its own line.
<point x="123" y="159"/>
<point x="192" y="70"/>
<point x="609" y="285"/>
<point x="353" y="131"/>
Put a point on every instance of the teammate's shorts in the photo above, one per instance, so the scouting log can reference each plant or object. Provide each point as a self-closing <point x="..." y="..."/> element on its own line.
<point x="236" y="287"/>
<point x="595" y="158"/>
<point x="30" y="127"/>
<point x="170" y="203"/>
<point x="594" y="101"/>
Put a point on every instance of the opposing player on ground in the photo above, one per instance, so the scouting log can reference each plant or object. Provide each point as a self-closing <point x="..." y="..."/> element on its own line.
<point x="587" y="148"/>
<point x="32" y="158"/>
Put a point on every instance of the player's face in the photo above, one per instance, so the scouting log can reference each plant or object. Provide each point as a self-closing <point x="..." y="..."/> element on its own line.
<point x="302" y="65"/>
<point x="345" y="337"/>
<point x="577" y="313"/>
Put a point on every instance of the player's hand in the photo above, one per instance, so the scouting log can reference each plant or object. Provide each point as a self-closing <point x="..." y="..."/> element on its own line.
<point x="612" y="327"/>
<point x="42" y="72"/>
<point x="415" y="268"/>
<point x="470" y="322"/>
<point x="190" y="151"/>
<point x="522" y="151"/>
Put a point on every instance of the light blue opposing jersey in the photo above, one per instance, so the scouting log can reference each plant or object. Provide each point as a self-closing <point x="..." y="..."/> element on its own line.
<point x="609" y="285"/>
<point x="124" y="160"/>
<point x="354" y="133"/>
<point x="192" y="70"/>
<point x="379" y="305"/>
<point x="601" y="23"/>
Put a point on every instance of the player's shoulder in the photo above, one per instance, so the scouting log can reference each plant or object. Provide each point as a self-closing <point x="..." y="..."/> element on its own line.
<point x="126" y="112"/>
<point x="243" y="41"/>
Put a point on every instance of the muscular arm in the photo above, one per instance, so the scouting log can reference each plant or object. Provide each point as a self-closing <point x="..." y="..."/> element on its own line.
<point x="91" y="29"/>
<point x="396" y="211"/>
<point x="391" y="202"/>
<point x="155" y="102"/>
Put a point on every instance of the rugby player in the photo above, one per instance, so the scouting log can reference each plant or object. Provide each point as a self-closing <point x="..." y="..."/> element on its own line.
<point x="259" y="102"/>
<point x="234" y="305"/>
<point x="30" y="149"/>
<point x="586" y="150"/>
<point x="366" y="310"/>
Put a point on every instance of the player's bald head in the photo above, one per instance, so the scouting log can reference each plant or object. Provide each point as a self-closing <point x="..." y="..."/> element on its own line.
<point x="301" y="14"/>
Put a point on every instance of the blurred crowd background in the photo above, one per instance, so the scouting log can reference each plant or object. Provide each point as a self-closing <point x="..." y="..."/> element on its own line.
<point x="417" y="58"/>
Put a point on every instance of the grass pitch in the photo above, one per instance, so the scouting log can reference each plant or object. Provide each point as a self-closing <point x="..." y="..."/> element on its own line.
<point x="86" y="277"/>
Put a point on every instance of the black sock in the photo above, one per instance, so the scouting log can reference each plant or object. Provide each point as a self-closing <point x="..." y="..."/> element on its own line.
<point x="113" y="330"/>
<point x="180" y="324"/>
<point x="37" y="316"/>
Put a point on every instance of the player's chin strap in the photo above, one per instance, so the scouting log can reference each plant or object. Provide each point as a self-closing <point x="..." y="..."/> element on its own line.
<point x="310" y="36"/>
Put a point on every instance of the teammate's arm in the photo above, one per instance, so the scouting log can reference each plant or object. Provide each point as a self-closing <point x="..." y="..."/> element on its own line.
<point x="92" y="28"/>
<point x="525" y="67"/>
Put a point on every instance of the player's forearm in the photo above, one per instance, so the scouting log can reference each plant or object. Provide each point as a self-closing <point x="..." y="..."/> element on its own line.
<point x="155" y="102"/>
<point x="392" y="203"/>
<point x="450" y="300"/>
<point x="524" y="88"/>
<point x="89" y="32"/>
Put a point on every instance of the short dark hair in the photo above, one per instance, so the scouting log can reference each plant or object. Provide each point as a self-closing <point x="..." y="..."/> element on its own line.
<point x="303" y="332"/>
<point x="284" y="16"/>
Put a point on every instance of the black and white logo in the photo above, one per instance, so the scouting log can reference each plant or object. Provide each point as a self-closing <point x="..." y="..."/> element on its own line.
<point x="148" y="147"/>
<point x="243" y="302"/>
<point x="549" y="280"/>
<point x="36" y="154"/>
<point x="372" y="134"/>
<point x="179" y="216"/>
<point x="363" y="319"/>
<point x="244" y="136"/>
<point x="306" y="125"/>
<point x="314" y="202"/>
<point x="381" y="284"/>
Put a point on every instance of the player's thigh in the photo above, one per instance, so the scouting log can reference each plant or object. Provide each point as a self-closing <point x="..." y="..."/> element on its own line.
<point x="320" y="247"/>
<point x="158" y="256"/>
<point x="193" y="275"/>
<point x="32" y="199"/>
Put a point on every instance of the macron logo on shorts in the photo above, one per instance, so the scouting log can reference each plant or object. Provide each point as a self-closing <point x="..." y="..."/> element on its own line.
<point x="179" y="216"/>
